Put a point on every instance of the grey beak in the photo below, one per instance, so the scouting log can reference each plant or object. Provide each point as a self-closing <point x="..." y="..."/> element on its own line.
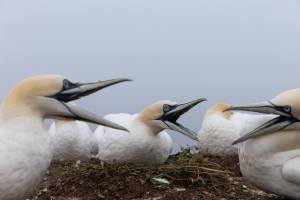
<point x="285" y="118"/>
<point x="83" y="115"/>
<point x="170" y="118"/>
<point x="77" y="91"/>
<point x="85" y="89"/>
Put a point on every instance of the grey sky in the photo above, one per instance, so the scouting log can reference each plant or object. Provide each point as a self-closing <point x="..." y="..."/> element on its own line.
<point x="225" y="50"/>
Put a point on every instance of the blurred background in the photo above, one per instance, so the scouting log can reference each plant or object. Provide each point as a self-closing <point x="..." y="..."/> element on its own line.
<point x="227" y="51"/>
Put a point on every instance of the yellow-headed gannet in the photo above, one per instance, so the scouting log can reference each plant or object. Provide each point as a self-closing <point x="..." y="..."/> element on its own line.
<point x="218" y="132"/>
<point x="25" y="151"/>
<point x="270" y="154"/>
<point x="220" y="129"/>
<point x="147" y="142"/>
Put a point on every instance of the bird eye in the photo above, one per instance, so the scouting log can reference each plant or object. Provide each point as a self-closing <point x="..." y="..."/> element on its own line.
<point x="167" y="108"/>
<point x="287" y="109"/>
<point x="66" y="84"/>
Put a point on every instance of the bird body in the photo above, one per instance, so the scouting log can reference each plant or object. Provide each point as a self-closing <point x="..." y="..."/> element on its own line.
<point x="147" y="142"/>
<point x="25" y="151"/>
<point x="71" y="141"/>
<point x="218" y="132"/>
<point x="220" y="129"/>
<point x="140" y="146"/>
<point x="270" y="165"/>
<point x="270" y="154"/>
<point x="24" y="158"/>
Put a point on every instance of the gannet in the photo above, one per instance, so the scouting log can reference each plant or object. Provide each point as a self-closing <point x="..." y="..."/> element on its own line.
<point x="71" y="140"/>
<point x="220" y="129"/>
<point x="147" y="143"/>
<point x="218" y="132"/>
<point x="25" y="151"/>
<point x="270" y="154"/>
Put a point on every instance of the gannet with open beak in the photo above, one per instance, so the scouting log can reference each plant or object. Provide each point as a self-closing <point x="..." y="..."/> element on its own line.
<point x="220" y="129"/>
<point x="270" y="154"/>
<point x="25" y="152"/>
<point x="71" y="140"/>
<point x="147" y="142"/>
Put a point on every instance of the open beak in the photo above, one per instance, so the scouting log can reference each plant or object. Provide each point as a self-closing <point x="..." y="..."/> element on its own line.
<point x="78" y="90"/>
<point x="170" y="118"/>
<point x="285" y="119"/>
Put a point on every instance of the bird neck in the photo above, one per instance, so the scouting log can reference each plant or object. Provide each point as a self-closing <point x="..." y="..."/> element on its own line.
<point x="61" y="122"/>
<point x="149" y="124"/>
<point x="279" y="143"/>
<point x="21" y="118"/>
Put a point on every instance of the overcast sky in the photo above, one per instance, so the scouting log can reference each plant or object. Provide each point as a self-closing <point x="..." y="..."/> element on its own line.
<point x="225" y="50"/>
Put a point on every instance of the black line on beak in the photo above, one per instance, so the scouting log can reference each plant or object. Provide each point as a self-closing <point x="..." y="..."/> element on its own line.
<point x="285" y="119"/>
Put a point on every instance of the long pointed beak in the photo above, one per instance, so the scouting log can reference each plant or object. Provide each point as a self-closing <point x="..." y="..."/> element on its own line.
<point x="264" y="107"/>
<point x="170" y="118"/>
<point x="285" y="118"/>
<point x="85" y="89"/>
<point x="181" y="109"/>
<point x="62" y="109"/>
<point x="78" y="113"/>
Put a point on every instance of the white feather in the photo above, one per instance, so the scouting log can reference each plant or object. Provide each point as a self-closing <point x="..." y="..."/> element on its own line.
<point x="139" y="146"/>
<point x="218" y="133"/>
<point x="71" y="141"/>
<point x="24" y="158"/>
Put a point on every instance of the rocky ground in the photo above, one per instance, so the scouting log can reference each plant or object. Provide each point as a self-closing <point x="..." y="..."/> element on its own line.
<point x="185" y="177"/>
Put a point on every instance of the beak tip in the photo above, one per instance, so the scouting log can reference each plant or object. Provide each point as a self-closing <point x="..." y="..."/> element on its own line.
<point x="204" y="99"/>
<point x="198" y="101"/>
<point x="126" y="130"/>
<point x="125" y="79"/>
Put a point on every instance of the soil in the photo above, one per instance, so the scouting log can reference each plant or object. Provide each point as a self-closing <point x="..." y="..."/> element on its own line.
<point x="96" y="181"/>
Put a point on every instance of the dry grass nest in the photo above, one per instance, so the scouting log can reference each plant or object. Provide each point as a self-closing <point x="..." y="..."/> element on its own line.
<point x="182" y="167"/>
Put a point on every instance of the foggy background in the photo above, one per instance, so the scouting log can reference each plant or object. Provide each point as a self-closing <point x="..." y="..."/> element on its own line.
<point x="225" y="50"/>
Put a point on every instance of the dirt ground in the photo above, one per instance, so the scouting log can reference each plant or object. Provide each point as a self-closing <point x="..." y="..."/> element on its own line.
<point x="184" y="177"/>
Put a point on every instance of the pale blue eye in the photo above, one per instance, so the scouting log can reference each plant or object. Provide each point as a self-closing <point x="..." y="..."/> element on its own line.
<point x="66" y="84"/>
<point x="287" y="109"/>
<point x="167" y="108"/>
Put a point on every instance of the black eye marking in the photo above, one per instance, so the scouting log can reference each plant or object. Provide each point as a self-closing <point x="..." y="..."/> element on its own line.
<point x="67" y="85"/>
<point x="287" y="109"/>
<point x="167" y="108"/>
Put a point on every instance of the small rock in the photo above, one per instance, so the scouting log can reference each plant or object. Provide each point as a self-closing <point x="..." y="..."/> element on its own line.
<point x="245" y="187"/>
<point x="180" y="189"/>
<point x="230" y="179"/>
<point x="161" y="181"/>
<point x="198" y="158"/>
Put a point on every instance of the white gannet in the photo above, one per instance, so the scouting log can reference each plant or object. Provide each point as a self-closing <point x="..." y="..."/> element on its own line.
<point x="220" y="129"/>
<point x="218" y="132"/>
<point x="270" y="154"/>
<point x="25" y="151"/>
<point x="71" y="140"/>
<point x="147" y="142"/>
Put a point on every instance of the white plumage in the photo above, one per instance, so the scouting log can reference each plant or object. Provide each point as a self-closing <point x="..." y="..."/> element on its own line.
<point x="218" y="132"/>
<point x="271" y="158"/>
<point x="24" y="158"/>
<point x="220" y="129"/>
<point x="140" y="146"/>
<point x="71" y="140"/>
<point x="147" y="142"/>
<point x="25" y="151"/>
